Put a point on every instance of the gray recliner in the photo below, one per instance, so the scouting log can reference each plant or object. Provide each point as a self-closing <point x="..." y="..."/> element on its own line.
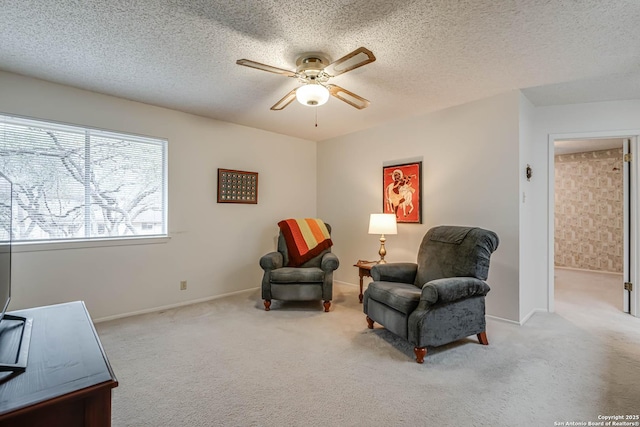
<point x="439" y="299"/>
<point x="312" y="280"/>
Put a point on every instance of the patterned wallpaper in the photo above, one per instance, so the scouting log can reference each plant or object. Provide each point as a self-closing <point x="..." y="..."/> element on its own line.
<point x="588" y="210"/>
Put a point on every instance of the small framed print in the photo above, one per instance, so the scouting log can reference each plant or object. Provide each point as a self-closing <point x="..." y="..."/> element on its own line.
<point x="237" y="186"/>
<point x="402" y="191"/>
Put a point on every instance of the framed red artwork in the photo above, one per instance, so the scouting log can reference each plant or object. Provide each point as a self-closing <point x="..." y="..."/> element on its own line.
<point x="402" y="187"/>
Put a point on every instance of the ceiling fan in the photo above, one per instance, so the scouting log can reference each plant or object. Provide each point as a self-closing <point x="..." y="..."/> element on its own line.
<point x="314" y="71"/>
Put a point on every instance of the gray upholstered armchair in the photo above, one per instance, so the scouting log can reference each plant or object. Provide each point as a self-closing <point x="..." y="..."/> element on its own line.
<point x="440" y="299"/>
<point x="312" y="280"/>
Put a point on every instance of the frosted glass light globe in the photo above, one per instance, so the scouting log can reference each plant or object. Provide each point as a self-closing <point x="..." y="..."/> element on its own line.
<point x="312" y="95"/>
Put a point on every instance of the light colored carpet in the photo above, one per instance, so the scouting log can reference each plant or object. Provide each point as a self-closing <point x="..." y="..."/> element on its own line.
<point x="230" y="363"/>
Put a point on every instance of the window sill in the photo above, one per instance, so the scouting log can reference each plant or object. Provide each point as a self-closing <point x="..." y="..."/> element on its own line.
<point x="18" y="247"/>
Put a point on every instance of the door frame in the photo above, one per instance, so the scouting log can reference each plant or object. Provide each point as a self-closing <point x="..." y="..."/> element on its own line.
<point x="634" y="219"/>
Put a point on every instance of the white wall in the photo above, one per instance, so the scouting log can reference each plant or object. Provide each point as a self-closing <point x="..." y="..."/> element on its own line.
<point x="598" y="118"/>
<point x="530" y="273"/>
<point x="215" y="247"/>
<point x="473" y="156"/>
<point x="470" y="177"/>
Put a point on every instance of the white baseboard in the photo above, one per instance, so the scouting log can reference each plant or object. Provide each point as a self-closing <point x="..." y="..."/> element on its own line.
<point x="167" y="307"/>
<point x="528" y="316"/>
<point x="502" y="319"/>
<point x="521" y="322"/>
<point x="183" y="303"/>
<point x="196" y="301"/>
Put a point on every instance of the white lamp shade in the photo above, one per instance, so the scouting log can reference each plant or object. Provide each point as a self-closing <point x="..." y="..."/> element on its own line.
<point x="312" y="95"/>
<point x="383" y="224"/>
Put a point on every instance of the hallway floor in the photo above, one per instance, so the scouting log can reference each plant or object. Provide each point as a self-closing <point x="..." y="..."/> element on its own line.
<point x="592" y="299"/>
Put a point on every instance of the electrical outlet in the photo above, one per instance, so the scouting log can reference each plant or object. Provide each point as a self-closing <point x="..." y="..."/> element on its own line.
<point x="183" y="285"/>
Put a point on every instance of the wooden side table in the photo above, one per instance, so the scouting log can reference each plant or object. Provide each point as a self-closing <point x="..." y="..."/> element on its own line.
<point x="364" y="270"/>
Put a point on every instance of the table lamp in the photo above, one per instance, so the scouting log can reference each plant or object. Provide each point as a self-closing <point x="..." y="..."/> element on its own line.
<point x="382" y="224"/>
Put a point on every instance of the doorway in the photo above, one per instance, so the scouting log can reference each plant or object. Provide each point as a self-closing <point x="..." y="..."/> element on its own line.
<point x="589" y="223"/>
<point x="616" y="253"/>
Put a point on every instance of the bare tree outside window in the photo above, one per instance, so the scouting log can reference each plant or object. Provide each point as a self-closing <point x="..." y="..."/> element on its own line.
<point x="75" y="183"/>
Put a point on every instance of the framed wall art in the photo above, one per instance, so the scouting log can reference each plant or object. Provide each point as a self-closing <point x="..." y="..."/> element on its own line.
<point x="237" y="186"/>
<point x="402" y="191"/>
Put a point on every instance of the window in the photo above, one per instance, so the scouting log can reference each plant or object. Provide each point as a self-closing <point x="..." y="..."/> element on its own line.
<point x="75" y="183"/>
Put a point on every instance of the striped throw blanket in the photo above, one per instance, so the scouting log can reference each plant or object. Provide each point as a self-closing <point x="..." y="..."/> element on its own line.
<point x="305" y="239"/>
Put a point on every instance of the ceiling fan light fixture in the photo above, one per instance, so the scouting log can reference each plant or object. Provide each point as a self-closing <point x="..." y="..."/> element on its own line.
<point x="312" y="95"/>
<point x="313" y="73"/>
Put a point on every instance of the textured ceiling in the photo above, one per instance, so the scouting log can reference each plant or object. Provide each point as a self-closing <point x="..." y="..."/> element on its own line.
<point x="430" y="54"/>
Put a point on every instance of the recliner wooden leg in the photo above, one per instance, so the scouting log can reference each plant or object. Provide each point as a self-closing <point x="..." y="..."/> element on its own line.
<point x="327" y="304"/>
<point x="420" y="353"/>
<point x="482" y="337"/>
<point x="369" y="322"/>
<point x="267" y="305"/>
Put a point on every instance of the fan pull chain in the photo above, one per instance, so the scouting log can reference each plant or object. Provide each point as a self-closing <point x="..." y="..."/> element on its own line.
<point x="316" y="116"/>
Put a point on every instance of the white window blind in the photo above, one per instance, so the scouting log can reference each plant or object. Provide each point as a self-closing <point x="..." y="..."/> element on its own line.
<point x="75" y="183"/>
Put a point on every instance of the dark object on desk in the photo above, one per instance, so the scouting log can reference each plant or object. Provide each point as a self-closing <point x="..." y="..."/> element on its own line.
<point x="15" y="339"/>
<point x="15" y="331"/>
<point x="439" y="299"/>
<point x="68" y="381"/>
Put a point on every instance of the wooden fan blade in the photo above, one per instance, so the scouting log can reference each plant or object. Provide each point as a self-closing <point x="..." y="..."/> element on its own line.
<point x="286" y="100"/>
<point x="348" y="97"/>
<point x="355" y="59"/>
<point x="264" y="67"/>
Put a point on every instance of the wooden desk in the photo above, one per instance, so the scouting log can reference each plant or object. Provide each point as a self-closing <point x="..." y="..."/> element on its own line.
<point x="68" y="380"/>
<point x="364" y="270"/>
